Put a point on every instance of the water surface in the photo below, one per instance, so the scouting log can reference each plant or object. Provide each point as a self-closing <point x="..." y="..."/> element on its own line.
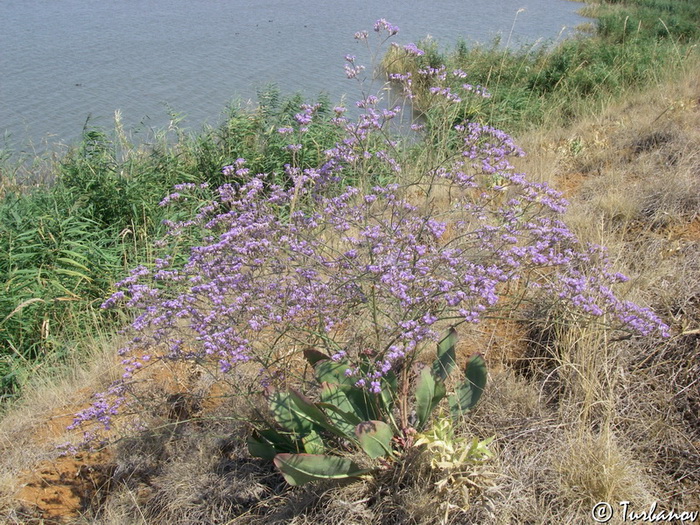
<point x="64" y="61"/>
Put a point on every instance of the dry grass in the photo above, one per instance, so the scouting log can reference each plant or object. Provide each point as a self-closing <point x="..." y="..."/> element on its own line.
<point x="633" y="177"/>
<point x="31" y="432"/>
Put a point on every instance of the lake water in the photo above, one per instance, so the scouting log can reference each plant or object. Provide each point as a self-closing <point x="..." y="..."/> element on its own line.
<point x="62" y="61"/>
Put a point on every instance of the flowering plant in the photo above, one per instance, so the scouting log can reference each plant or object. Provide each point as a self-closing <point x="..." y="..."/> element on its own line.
<point x="362" y="276"/>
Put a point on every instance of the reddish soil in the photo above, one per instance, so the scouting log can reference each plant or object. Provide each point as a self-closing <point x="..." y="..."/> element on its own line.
<point x="61" y="489"/>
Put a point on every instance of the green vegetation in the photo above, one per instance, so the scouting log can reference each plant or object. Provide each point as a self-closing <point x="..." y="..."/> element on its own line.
<point x="632" y="44"/>
<point x="63" y="245"/>
<point x="348" y="413"/>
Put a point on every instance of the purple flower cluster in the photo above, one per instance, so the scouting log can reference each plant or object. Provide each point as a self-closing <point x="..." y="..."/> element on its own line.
<point x="388" y="264"/>
<point x="358" y="271"/>
<point x="103" y="409"/>
<point x="382" y="25"/>
<point x="413" y="49"/>
<point x="440" y="83"/>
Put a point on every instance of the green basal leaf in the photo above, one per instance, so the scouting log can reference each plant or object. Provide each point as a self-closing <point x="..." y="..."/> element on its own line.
<point x="429" y="392"/>
<point x="314" y="413"/>
<point x="389" y="383"/>
<point x="446" y="356"/>
<point x="468" y="393"/>
<point x="364" y="403"/>
<point x="261" y="449"/>
<point x="339" y="409"/>
<point x="288" y="414"/>
<point x="268" y="442"/>
<point x="332" y="372"/>
<point x="477" y="373"/>
<point x="375" y="438"/>
<point x="299" y="469"/>
<point x="313" y="444"/>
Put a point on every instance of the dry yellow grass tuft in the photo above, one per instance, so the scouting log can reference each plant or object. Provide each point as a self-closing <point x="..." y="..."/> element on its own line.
<point x="593" y="468"/>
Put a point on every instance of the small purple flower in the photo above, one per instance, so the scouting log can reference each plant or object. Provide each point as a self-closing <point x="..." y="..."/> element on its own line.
<point x="383" y="25"/>
<point x="412" y="49"/>
<point x="353" y="71"/>
<point x="339" y="356"/>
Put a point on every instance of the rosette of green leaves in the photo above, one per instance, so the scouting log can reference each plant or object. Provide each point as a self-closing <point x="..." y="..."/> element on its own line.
<point x="344" y="415"/>
<point x="347" y="416"/>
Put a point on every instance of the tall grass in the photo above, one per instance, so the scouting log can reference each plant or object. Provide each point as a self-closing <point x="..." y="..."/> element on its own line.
<point x="55" y="264"/>
<point x="634" y="44"/>
<point x="63" y="244"/>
